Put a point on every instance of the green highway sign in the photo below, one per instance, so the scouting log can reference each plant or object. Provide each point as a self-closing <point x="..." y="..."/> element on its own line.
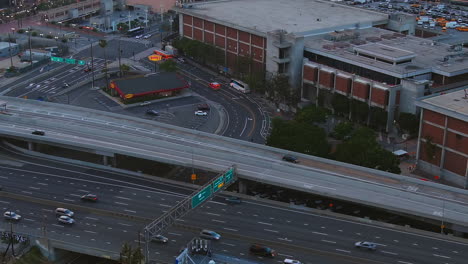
<point x="201" y="196"/>
<point x="70" y="61"/>
<point x="57" y="59"/>
<point x="82" y="62"/>
<point x="229" y="175"/>
<point x="218" y="183"/>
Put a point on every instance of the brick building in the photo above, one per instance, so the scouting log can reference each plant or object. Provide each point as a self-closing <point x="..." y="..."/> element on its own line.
<point x="444" y="121"/>
<point x="271" y="32"/>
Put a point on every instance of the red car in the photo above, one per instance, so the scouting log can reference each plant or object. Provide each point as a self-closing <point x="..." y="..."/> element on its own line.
<point x="89" y="197"/>
<point x="215" y="86"/>
<point x="87" y="70"/>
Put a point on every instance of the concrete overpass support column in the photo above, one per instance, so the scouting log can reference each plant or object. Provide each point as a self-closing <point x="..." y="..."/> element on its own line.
<point x="242" y="186"/>
<point x="114" y="161"/>
<point x="46" y="248"/>
<point x="30" y="146"/>
<point x="105" y="160"/>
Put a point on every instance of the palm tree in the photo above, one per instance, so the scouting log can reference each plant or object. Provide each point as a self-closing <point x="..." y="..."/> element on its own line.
<point x="103" y="44"/>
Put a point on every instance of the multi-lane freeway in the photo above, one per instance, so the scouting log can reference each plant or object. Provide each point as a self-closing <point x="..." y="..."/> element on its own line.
<point x="126" y="203"/>
<point x="111" y="133"/>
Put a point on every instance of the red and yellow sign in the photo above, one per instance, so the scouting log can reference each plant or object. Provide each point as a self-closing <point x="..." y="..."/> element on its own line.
<point x="112" y="85"/>
<point x="128" y="96"/>
<point x="155" y="57"/>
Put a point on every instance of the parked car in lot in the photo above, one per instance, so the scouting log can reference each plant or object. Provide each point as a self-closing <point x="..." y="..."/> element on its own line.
<point x="262" y="250"/>
<point x="201" y="113"/>
<point x="89" y="197"/>
<point x="38" y="132"/>
<point x="63" y="211"/>
<point x="160" y="239"/>
<point x="290" y="158"/>
<point x="210" y="234"/>
<point x="66" y="220"/>
<point x="10" y="215"/>
<point x="365" y="244"/>
<point x="233" y="200"/>
<point x="152" y="112"/>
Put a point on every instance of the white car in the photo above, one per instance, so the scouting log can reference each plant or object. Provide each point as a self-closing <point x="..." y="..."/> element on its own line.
<point x="147" y="36"/>
<point x="139" y="36"/>
<point x="10" y="215"/>
<point x="201" y="113"/>
<point x="365" y="244"/>
<point x="66" y="220"/>
<point x="145" y="103"/>
<point x="291" y="261"/>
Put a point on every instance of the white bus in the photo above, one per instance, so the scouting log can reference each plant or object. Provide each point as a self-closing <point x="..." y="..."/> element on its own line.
<point x="240" y="86"/>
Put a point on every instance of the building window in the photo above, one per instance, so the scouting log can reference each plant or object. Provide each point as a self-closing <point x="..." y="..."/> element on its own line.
<point x="283" y="67"/>
<point x="458" y="137"/>
<point x="283" y="53"/>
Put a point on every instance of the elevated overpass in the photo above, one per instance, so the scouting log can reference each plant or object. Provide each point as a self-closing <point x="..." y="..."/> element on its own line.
<point x="108" y="134"/>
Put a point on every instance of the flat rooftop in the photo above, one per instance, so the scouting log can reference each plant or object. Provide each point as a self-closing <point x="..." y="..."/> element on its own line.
<point x="303" y="17"/>
<point x="160" y="82"/>
<point x="452" y="103"/>
<point x="389" y="52"/>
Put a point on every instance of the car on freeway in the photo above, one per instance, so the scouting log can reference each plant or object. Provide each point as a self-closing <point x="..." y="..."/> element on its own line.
<point x="262" y="250"/>
<point x="291" y="261"/>
<point x="147" y="36"/>
<point x="10" y="215"/>
<point x="203" y="107"/>
<point x="87" y="69"/>
<point x="65" y="85"/>
<point x="233" y="200"/>
<point x="38" y="132"/>
<point x="365" y="244"/>
<point x="210" y="234"/>
<point x="152" y="112"/>
<point x="290" y="158"/>
<point x="215" y="85"/>
<point x="139" y="36"/>
<point x="201" y="113"/>
<point x="64" y="211"/>
<point x="66" y="220"/>
<point x="181" y="60"/>
<point x="89" y="197"/>
<point x="160" y="239"/>
<point x="145" y="103"/>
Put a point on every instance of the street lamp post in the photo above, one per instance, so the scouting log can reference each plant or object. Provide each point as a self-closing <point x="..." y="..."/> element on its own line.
<point x="9" y="50"/>
<point x="60" y="27"/>
<point x="92" y="66"/>
<point x="30" y="46"/>
<point x="120" y="55"/>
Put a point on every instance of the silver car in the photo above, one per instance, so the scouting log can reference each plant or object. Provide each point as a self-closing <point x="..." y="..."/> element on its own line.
<point x="10" y="215"/>
<point x="365" y="244"/>
<point x="66" y="220"/>
<point x="160" y="239"/>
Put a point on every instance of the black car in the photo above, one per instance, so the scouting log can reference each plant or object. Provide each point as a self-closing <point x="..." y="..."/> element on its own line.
<point x="290" y="158"/>
<point x="203" y="107"/>
<point x="38" y="132"/>
<point x="262" y="250"/>
<point x="89" y="197"/>
<point x="152" y="112"/>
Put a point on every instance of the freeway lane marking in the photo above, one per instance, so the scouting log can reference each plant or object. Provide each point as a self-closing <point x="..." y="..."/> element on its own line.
<point x="130" y="211"/>
<point x="70" y="200"/>
<point x="34" y="188"/>
<point x="47" y="210"/>
<point x="269" y="230"/>
<point x="120" y="197"/>
<point x="230" y="229"/>
<point x="76" y="195"/>
<point x="26" y="192"/>
<point x="318" y="233"/>
<point x="328" y="241"/>
<point x="57" y="225"/>
<point x="92" y="232"/>
<point x="164" y="205"/>
<point x="124" y="224"/>
<point x="3" y="177"/>
<point x="342" y="250"/>
<point x="232" y="245"/>
<point x="120" y="203"/>
<point x="440" y="256"/>
<point x="404" y="262"/>
<point x="213" y="214"/>
<point x="41" y="183"/>
<point x="391" y="253"/>
<point x="175" y="234"/>
<point x="262" y="223"/>
<point x="219" y="221"/>
<point x="284" y="239"/>
<point x="289" y="256"/>
<point x="91" y="218"/>
<point x="27" y="219"/>
<point x="4" y="202"/>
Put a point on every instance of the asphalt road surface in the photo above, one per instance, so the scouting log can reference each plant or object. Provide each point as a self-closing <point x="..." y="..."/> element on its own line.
<point x="293" y="233"/>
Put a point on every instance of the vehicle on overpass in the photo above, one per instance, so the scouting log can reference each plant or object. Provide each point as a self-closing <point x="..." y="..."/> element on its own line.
<point x="201" y="113"/>
<point x="365" y="244"/>
<point x="290" y="158"/>
<point x="89" y="197"/>
<point x="291" y="261"/>
<point x="152" y="112"/>
<point x="38" y="132"/>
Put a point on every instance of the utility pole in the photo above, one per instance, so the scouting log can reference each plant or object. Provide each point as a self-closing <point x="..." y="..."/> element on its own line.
<point x="120" y="55"/>
<point x="92" y="66"/>
<point x="9" y="50"/>
<point x="30" y="47"/>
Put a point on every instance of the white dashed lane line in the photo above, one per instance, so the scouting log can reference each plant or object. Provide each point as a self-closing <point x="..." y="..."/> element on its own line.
<point x="440" y="256"/>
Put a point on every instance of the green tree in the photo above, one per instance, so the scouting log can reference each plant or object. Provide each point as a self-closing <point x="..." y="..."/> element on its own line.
<point x="362" y="149"/>
<point x="298" y="137"/>
<point x="103" y="45"/>
<point x="360" y="111"/>
<point x="126" y="254"/>
<point x="312" y="114"/>
<point x="378" y="117"/>
<point x="137" y="256"/>
<point x="409" y="123"/>
<point x="168" y="66"/>
<point x="430" y="148"/>
<point x="343" y="130"/>
<point x="340" y="105"/>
